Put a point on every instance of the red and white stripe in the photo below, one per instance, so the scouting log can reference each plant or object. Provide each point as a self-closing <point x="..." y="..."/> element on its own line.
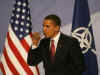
<point x="14" y="57"/>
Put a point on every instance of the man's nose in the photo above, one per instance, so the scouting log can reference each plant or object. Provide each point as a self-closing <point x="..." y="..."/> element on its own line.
<point x="44" y="29"/>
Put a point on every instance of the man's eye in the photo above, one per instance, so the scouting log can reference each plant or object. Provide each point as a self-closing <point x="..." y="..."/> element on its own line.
<point x="47" y="26"/>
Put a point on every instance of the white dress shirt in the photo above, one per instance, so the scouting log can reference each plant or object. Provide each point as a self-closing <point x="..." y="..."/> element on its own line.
<point x="56" y="38"/>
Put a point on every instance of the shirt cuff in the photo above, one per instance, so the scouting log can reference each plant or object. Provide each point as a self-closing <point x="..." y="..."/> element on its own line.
<point x="34" y="46"/>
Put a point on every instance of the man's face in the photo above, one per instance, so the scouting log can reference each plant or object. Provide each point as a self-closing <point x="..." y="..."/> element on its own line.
<point x="49" y="28"/>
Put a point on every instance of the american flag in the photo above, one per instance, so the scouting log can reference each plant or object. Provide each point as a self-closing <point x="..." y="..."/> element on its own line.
<point x="17" y="43"/>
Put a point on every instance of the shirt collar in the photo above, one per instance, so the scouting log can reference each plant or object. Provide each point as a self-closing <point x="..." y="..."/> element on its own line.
<point x="56" y="38"/>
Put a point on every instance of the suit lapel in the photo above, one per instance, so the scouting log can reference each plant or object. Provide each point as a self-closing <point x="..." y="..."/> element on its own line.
<point x="59" y="45"/>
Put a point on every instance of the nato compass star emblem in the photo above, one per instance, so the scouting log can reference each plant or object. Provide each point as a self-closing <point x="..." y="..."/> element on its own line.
<point x="84" y="37"/>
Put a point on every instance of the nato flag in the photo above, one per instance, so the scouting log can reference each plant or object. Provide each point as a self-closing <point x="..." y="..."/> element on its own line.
<point x="82" y="30"/>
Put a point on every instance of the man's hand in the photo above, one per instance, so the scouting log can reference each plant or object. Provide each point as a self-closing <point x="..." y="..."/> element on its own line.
<point x="36" y="38"/>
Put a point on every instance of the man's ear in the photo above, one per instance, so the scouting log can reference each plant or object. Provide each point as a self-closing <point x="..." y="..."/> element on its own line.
<point x="57" y="28"/>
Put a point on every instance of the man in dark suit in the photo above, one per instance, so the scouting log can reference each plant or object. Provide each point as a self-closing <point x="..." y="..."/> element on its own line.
<point x="61" y="54"/>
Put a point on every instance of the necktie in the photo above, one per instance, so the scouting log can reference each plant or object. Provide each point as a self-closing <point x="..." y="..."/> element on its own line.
<point x="52" y="51"/>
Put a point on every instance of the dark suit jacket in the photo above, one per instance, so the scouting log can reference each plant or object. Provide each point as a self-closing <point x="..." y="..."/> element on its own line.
<point x="68" y="57"/>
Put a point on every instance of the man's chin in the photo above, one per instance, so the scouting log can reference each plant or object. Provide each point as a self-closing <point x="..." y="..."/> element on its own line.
<point x="47" y="36"/>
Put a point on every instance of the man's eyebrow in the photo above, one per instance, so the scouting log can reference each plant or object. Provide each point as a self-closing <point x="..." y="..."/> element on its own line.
<point x="45" y="25"/>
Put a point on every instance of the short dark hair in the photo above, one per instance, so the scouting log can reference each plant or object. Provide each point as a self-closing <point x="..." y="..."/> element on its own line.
<point x="54" y="18"/>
